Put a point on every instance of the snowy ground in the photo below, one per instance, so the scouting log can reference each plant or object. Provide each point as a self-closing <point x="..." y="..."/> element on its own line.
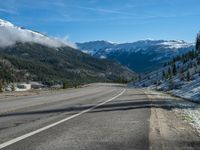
<point x="189" y="111"/>
<point x="190" y="91"/>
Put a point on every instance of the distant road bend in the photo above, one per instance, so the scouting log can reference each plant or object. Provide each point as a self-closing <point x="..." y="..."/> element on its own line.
<point x="97" y="117"/>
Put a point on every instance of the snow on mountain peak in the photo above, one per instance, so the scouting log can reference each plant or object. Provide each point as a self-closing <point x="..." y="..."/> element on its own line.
<point x="141" y="56"/>
<point x="5" y="23"/>
<point x="144" y="46"/>
<point x="10" y="34"/>
<point x="176" y="44"/>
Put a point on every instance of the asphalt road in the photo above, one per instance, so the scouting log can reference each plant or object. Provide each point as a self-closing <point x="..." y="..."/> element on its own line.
<point x="97" y="117"/>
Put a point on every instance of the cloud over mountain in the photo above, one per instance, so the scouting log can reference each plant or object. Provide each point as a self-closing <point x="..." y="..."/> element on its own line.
<point x="10" y="34"/>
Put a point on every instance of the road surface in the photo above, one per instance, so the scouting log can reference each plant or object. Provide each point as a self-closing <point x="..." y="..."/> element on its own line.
<point x="97" y="117"/>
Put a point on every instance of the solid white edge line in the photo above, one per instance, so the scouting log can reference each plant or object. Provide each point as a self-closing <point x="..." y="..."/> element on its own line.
<point x="10" y="142"/>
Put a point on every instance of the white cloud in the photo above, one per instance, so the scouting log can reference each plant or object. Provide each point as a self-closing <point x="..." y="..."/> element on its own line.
<point x="66" y="41"/>
<point x="10" y="34"/>
<point x="102" y="10"/>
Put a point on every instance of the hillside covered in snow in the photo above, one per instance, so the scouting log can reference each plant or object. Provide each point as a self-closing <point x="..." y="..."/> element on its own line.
<point x="180" y="76"/>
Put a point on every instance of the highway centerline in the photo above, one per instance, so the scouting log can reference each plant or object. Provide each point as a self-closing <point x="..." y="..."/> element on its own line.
<point x="17" y="139"/>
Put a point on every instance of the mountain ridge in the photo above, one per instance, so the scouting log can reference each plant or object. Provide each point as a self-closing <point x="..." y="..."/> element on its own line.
<point x="26" y="55"/>
<point x="152" y="52"/>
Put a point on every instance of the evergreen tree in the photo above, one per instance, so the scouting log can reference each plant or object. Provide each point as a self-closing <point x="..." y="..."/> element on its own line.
<point x="174" y="69"/>
<point x="1" y="87"/>
<point x="164" y="75"/>
<point x="198" y="42"/>
<point x="65" y="85"/>
<point x="188" y="75"/>
<point x="169" y="73"/>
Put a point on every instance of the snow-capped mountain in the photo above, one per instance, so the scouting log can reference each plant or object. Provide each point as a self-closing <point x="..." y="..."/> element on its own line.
<point x="94" y="46"/>
<point x="142" y="56"/>
<point x="26" y="54"/>
<point x="10" y="34"/>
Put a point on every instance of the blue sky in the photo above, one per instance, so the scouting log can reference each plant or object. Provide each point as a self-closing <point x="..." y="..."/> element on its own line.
<point x="113" y="20"/>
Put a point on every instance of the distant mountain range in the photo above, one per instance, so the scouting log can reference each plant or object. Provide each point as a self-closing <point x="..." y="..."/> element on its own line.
<point x="141" y="56"/>
<point x="29" y="55"/>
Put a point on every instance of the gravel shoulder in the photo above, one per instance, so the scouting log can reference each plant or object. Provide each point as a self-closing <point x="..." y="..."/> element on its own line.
<point x="170" y="127"/>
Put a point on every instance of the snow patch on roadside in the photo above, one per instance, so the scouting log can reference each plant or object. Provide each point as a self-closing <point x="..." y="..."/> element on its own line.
<point x="188" y="110"/>
<point x="194" y="118"/>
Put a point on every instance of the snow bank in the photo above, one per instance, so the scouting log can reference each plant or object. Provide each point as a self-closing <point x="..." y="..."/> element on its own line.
<point x="189" y="111"/>
<point x="190" y="91"/>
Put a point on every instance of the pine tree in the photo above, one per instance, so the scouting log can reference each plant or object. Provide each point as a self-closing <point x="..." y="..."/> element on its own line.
<point x="198" y="42"/>
<point x="174" y="69"/>
<point x="169" y="73"/>
<point x="188" y="76"/>
<point x="65" y="85"/>
<point x="163" y="74"/>
<point x="1" y="87"/>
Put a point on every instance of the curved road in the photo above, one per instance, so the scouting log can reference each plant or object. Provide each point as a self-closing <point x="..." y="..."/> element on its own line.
<point x="97" y="117"/>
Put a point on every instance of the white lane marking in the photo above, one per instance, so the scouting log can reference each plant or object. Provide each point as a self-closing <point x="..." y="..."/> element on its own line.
<point x="5" y="144"/>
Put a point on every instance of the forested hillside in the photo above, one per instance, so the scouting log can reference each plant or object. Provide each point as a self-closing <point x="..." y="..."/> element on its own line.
<point x="181" y="75"/>
<point x="31" y="61"/>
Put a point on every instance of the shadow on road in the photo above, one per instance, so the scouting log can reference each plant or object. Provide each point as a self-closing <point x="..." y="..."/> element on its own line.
<point x="119" y="105"/>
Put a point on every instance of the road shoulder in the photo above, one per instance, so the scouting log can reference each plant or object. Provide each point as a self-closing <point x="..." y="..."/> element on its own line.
<point x="168" y="128"/>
